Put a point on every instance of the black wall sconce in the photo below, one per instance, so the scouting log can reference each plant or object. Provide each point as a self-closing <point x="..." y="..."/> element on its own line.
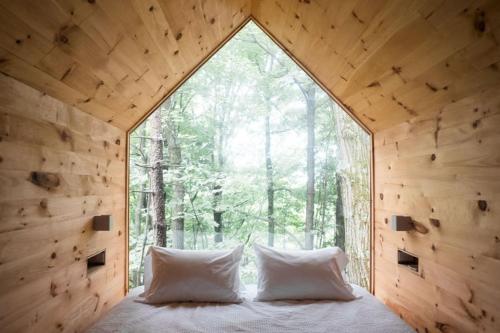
<point x="102" y="223"/>
<point x="401" y="223"/>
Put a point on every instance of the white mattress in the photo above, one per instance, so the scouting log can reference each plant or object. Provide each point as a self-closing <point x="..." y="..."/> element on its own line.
<point x="365" y="314"/>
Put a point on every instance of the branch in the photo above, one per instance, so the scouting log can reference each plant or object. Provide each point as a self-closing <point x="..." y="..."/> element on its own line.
<point x="163" y="164"/>
<point x="282" y="189"/>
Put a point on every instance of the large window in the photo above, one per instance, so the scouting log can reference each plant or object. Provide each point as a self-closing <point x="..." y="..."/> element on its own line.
<point x="250" y="149"/>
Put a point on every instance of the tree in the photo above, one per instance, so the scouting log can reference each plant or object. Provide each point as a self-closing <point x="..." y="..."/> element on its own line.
<point x="339" y="215"/>
<point x="270" y="182"/>
<point x="309" y="92"/>
<point x="175" y="169"/>
<point x="156" y="176"/>
<point x="354" y="191"/>
<point x="252" y="151"/>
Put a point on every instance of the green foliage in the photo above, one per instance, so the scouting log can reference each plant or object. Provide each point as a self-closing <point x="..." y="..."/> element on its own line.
<point x="218" y="115"/>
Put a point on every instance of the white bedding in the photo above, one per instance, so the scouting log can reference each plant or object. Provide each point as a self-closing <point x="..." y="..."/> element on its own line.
<point x="365" y="314"/>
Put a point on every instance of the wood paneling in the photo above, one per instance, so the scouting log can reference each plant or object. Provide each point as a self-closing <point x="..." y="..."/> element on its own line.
<point x="391" y="60"/>
<point x="113" y="59"/>
<point x="423" y="75"/>
<point x="443" y="170"/>
<point x="387" y="60"/>
<point x="46" y="219"/>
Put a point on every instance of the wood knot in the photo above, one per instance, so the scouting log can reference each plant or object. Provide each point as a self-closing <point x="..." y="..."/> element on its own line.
<point x="53" y="288"/>
<point x="44" y="204"/>
<point x="381" y="196"/>
<point x="419" y="227"/>
<point x="433" y="157"/>
<point x="431" y="87"/>
<point x="45" y="179"/>
<point x="117" y="142"/>
<point x="65" y="136"/>
<point x="435" y="223"/>
<point x="396" y="69"/>
<point x="53" y="255"/>
<point x="62" y="39"/>
<point x="178" y="36"/>
<point x="480" y="21"/>
<point x="374" y="84"/>
<point x="442" y="326"/>
<point x="483" y="205"/>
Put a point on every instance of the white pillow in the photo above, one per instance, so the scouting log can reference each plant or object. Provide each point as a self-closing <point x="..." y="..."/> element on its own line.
<point x="148" y="272"/>
<point x="301" y="274"/>
<point x="189" y="275"/>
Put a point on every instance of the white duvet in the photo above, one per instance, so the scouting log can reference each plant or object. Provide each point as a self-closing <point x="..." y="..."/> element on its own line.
<point x="365" y="314"/>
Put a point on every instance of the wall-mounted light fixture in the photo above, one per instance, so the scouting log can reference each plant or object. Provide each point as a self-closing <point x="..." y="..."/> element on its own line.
<point x="401" y="223"/>
<point x="102" y="222"/>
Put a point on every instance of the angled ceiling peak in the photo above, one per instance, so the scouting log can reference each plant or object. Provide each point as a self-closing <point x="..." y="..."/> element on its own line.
<point x="387" y="62"/>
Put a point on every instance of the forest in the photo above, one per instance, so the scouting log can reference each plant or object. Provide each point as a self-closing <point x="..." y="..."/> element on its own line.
<point x="250" y="149"/>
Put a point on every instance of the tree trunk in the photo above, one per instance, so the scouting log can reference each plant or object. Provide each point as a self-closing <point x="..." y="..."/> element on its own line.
<point x="218" y="228"/>
<point x="144" y="242"/>
<point x="339" y="216"/>
<point x="354" y="160"/>
<point x="310" y="97"/>
<point x="270" y="182"/>
<point x="217" y="189"/>
<point x="178" y="188"/>
<point x="141" y="198"/>
<point x="157" y="188"/>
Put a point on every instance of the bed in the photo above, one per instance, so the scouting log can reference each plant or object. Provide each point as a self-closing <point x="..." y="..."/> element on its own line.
<point x="365" y="314"/>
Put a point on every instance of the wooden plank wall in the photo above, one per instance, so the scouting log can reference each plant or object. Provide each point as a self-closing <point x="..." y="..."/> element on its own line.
<point x="443" y="171"/>
<point x="45" y="230"/>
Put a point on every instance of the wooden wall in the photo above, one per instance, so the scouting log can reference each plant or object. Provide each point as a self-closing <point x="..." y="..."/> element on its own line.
<point x="443" y="171"/>
<point x="45" y="229"/>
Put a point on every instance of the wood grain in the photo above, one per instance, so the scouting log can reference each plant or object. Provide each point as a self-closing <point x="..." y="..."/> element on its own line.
<point x="443" y="167"/>
<point x="389" y="61"/>
<point x="59" y="167"/>
<point x="422" y="75"/>
<point x="113" y="59"/>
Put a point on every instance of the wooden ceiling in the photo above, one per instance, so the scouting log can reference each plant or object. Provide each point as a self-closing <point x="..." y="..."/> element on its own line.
<point x="388" y="61"/>
<point x="115" y="59"/>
